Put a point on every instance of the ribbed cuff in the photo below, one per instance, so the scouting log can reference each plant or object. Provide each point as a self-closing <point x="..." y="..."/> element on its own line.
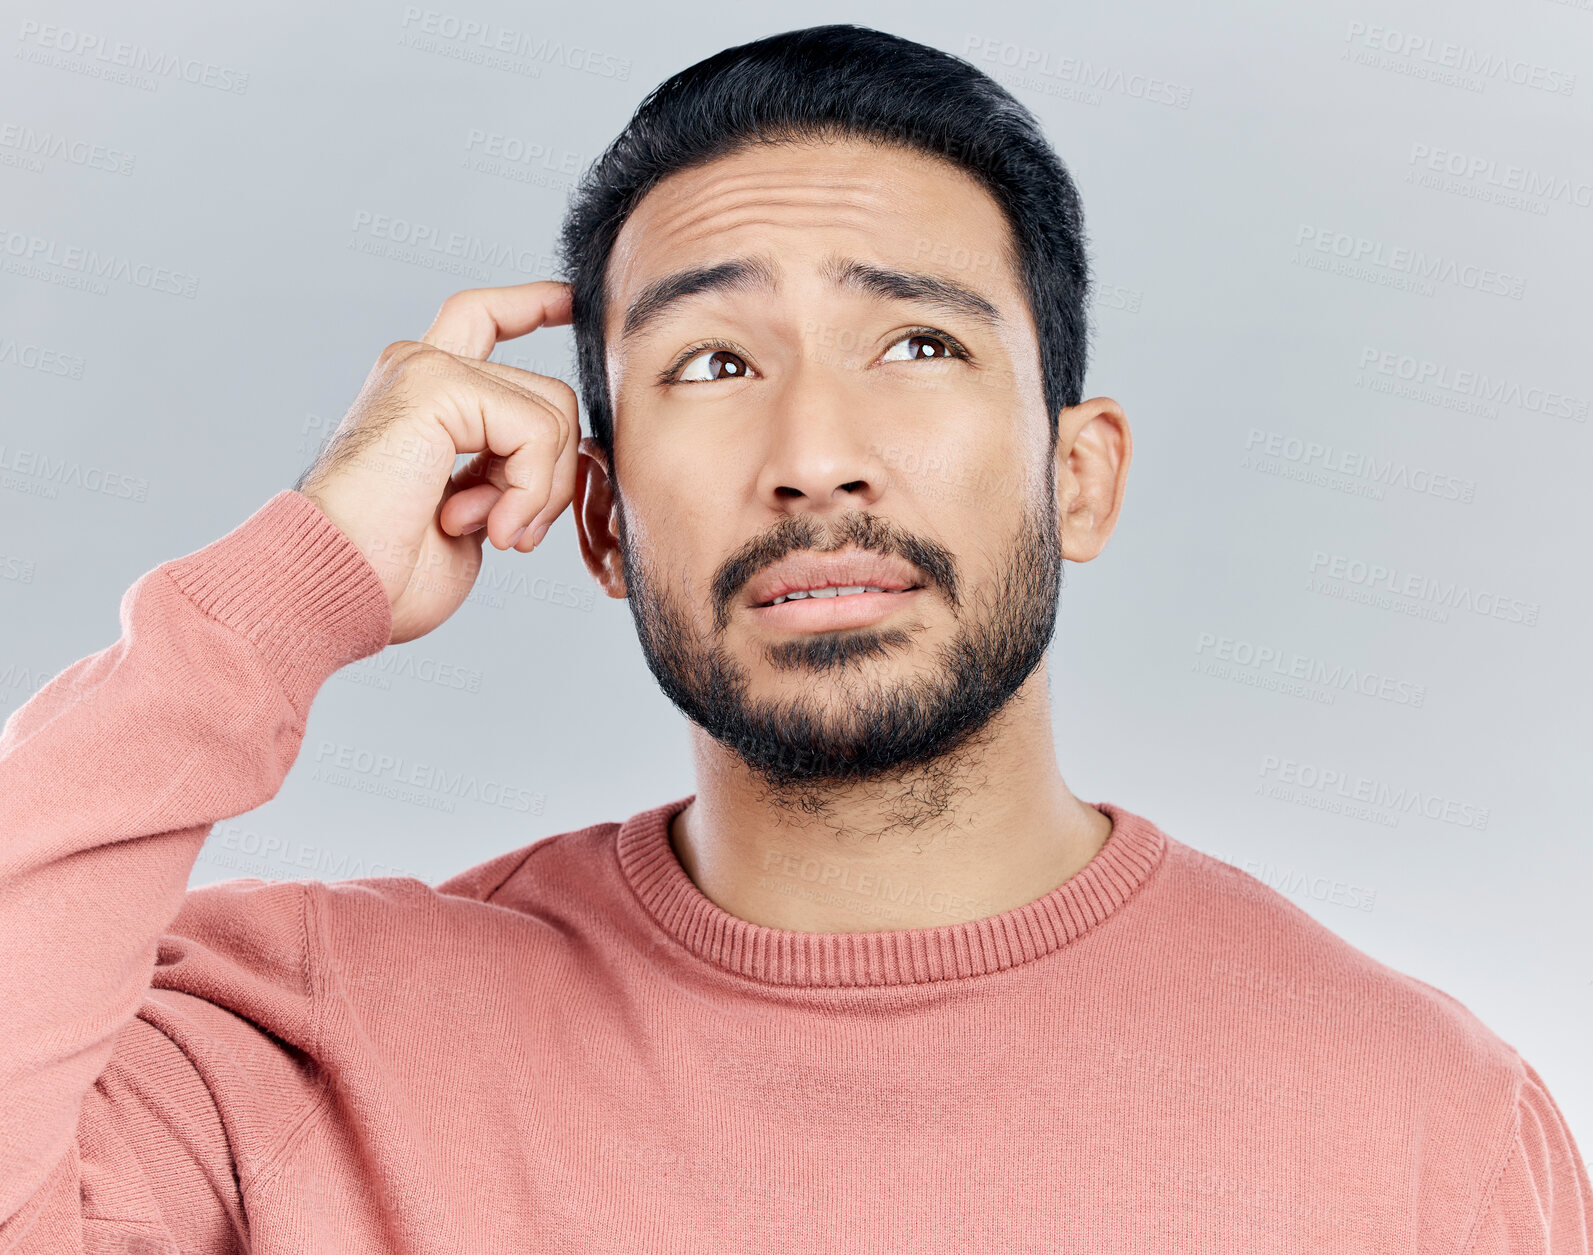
<point x="288" y="579"/>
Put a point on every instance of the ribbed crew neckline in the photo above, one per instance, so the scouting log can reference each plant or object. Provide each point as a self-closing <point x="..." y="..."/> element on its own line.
<point x="907" y="956"/>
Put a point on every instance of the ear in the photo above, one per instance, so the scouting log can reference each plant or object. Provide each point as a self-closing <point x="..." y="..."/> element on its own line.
<point x="1093" y="449"/>
<point x="597" y="518"/>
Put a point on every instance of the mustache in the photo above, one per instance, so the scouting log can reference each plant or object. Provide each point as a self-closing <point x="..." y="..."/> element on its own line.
<point x="871" y="532"/>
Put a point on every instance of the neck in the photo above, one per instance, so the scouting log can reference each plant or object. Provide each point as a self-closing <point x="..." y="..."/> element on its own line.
<point x="984" y="829"/>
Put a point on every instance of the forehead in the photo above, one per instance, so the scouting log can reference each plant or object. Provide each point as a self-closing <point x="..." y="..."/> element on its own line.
<point x="802" y="200"/>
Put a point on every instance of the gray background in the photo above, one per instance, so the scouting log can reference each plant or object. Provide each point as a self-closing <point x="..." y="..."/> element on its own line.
<point x="1228" y="157"/>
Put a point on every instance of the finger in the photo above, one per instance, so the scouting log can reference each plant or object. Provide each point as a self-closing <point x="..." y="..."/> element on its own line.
<point x="472" y="322"/>
<point x="559" y="490"/>
<point x="527" y="433"/>
<point x="563" y="486"/>
<point x="533" y="488"/>
<point x="562" y="494"/>
<point x="478" y="487"/>
<point x="463" y="510"/>
<point x="527" y="421"/>
<point x="468" y="510"/>
<point x="549" y="388"/>
<point x="545" y="389"/>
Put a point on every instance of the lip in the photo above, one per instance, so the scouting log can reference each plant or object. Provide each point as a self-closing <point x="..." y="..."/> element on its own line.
<point x="842" y="569"/>
<point x="832" y="614"/>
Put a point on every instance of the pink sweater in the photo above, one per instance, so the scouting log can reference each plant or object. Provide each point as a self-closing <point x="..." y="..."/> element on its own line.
<point x="570" y="1049"/>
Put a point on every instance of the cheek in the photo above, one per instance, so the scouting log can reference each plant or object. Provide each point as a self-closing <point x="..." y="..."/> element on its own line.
<point x="686" y="463"/>
<point x="669" y="527"/>
<point x="963" y="453"/>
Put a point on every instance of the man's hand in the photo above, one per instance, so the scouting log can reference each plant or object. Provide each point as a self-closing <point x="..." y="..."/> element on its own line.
<point x="387" y="475"/>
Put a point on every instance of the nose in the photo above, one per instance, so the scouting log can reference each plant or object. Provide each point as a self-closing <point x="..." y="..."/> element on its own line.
<point x="819" y="455"/>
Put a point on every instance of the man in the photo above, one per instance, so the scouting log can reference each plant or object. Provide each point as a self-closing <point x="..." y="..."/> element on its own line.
<point x="882" y="982"/>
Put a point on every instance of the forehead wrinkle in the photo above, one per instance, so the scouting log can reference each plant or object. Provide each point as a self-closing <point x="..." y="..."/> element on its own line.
<point x="819" y="184"/>
<point x="760" y="272"/>
<point x="738" y="200"/>
<point x="709" y="222"/>
<point x="839" y="195"/>
<point x="713" y="219"/>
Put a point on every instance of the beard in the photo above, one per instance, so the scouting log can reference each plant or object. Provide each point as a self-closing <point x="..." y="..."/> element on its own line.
<point x="858" y="728"/>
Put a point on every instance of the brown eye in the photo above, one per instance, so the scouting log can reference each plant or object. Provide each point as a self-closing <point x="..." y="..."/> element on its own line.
<point x="918" y="347"/>
<point x="718" y="364"/>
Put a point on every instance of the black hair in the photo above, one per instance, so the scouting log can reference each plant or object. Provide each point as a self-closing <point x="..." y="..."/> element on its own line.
<point x="824" y="83"/>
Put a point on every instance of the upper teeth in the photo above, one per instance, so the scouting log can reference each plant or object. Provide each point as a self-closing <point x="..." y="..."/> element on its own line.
<point x="826" y="592"/>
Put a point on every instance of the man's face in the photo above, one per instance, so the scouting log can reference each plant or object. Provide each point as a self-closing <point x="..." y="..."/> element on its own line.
<point x="781" y="432"/>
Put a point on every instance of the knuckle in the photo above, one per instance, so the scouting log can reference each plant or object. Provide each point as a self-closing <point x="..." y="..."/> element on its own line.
<point x="396" y="351"/>
<point x="565" y="419"/>
<point x="558" y="416"/>
<point x="546" y="430"/>
<point x="565" y="395"/>
<point x="423" y="359"/>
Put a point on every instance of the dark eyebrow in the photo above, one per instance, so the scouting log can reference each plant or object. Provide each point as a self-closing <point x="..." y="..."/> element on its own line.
<point x="907" y="285"/>
<point x="749" y="273"/>
<point x="741" y="273"/>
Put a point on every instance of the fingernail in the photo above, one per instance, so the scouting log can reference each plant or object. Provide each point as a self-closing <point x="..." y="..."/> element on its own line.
<point x="542" y="530"/>
<point x="476" y="528"/>
<point x="515" y="538"/>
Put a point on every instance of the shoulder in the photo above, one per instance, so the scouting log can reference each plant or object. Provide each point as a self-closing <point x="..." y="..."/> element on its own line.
<point x="520" y="881"/>
<point x="1371" y="1048"/>
<point x="1261" y="960"/>
<point x="1255" y="944"/>
<point x="1264" y="976"/>
<point x="495" y="877"/>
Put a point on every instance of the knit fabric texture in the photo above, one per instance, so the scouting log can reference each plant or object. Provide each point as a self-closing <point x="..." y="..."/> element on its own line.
<point x="570" y="1048"/>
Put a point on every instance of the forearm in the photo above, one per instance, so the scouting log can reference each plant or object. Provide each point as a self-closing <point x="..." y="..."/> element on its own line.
<point x="112" y="775"/>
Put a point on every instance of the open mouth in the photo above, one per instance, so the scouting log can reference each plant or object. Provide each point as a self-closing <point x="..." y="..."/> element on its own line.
<point x="850" y="590"/>
<point x="825" y="591"/>
<point x="838" y="608"/>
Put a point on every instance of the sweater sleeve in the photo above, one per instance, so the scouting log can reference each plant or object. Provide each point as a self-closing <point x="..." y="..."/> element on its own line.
<point x="111" y="777"/>
<point x="1540" y="1203"/>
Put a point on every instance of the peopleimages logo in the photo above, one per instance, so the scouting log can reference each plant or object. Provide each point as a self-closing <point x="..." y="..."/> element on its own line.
<point x="379" y="670"/>
<point x="1373" y="471"/>
<point x="1347" y="786"/>
<point x="76" y="266"/>
<point x="424" y="244"/>
<point x="1491" y="175"/>
<point x="521" y="160"/>
<point x="1093" y="76"/>
<point x="1418" y="588"/>
<point x="1411" y="264"/>
<point x="406" y="779"/>
<point x="46" y="361"/>
<point x="1294" y="883"/>
<point x="494" y="44"/>
<point x="268" y="853"/>
<point x="33" y="147"/>
<point x="1302" y="668"/>
<point x="1427" y="53"/>
<point x="80" y="50"/>
<point x="53" y="473"/>
<point x="1491" y="390"/>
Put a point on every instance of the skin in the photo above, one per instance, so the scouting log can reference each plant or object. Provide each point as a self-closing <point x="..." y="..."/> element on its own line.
<point x="822" y="421"/>
<point x="829" y="421"/>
